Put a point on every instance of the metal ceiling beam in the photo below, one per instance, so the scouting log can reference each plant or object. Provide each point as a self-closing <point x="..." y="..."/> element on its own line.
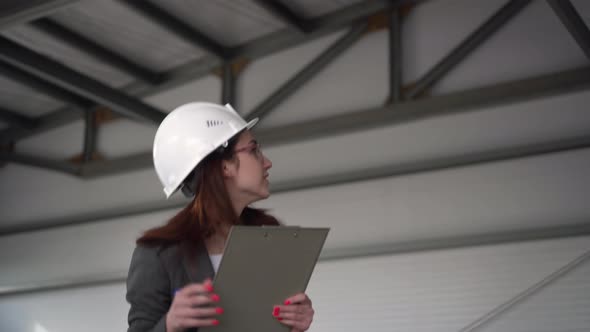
<point x="285" y="14"/>
<point x="258" y="48"/>
<point x="15" y="12"/>
<point x="467" y="101"/>
<point x="485" y="31"/>
<point x="574" y="23"/>
<point x="395" y="57"/>
<point x="60" y="75"/>
<point x="91" y="217"/>
<point x="175" y="26"/>
<point x="27" y="160"/>
<point x="380" y="249"/>
<point x="16" y="119"/>
<point x="44" y="87"/>
<point x="308" y="72"/>
<point x="394" y="170"/>
<point x="437" y="164"/>
<point x="456" y="242"/>
<point x="228" y="90"/>
<point x="95" y="50"/>
<point x="463" y="160"/>
<point x="90" y="130"/>
<point x="323" y="25"/>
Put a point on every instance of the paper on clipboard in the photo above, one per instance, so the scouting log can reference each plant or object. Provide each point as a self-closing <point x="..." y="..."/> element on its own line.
<point x="260" y="268"/>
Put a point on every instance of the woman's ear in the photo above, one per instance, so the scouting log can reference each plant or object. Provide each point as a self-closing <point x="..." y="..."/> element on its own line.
<point x="227" y="168"/>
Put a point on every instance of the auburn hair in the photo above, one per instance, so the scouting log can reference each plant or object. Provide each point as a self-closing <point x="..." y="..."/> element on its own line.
<point x="210" y="208"/>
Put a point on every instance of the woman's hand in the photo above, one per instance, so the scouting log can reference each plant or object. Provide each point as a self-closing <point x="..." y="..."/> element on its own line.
<point x="297" y="312"/>
<point x="191" y="307"/>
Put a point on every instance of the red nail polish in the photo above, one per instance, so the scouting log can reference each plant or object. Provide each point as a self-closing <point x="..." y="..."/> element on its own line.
<point x="287" y="302"/>
<point x="216" y="322"/>
<point x="276" y="311"/>
<point x="209" y="287"/>
<point x="219" y="310"/>
<point x="215" y="298"/>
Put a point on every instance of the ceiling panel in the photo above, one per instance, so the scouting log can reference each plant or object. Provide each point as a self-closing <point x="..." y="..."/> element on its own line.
<point x="228" y="22"/>
<point x="129" y="34"/>
<point x="314" y="8"/>
<point x="69" y="56"/>
<point x="25" y="100"/>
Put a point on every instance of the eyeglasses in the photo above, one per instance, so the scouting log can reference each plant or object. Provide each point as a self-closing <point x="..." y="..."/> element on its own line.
<point x="253" y="148"/>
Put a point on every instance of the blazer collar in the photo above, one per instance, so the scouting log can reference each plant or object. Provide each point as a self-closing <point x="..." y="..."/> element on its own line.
<point x="196" y="262"/>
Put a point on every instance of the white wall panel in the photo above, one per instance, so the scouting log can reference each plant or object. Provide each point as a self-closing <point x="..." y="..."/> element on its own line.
<point x="94" y="309"/>
<point x="426" y="291"/>
<point x="530" y="193"/>
<point x="524" y="123"/>
<point x="451" y="135"/>
<point x="447" y="290"/>
<point x="100" y="249"/>
<point x="562" y="306"/>
<point x="35" y="195"/>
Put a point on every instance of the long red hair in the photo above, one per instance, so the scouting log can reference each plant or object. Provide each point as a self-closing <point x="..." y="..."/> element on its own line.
<point x="210" y="208"/>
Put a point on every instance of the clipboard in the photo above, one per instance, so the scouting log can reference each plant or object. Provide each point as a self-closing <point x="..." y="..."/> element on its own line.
<point x="260" y="268"/>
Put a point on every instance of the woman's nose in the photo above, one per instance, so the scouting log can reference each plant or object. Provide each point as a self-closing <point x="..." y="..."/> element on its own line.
<point x="267" y="163"/>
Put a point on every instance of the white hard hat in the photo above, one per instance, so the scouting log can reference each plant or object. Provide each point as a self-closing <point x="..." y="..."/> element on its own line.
<point x="188" y="134"/>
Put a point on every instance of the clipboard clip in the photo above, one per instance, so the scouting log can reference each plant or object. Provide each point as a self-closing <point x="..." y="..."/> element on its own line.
<point x="293" y="228"/>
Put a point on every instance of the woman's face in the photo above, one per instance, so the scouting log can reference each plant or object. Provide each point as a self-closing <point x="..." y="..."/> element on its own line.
<point x="247" y="174"/>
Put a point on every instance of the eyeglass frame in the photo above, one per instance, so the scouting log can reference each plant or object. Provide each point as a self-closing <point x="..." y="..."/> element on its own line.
<point x="252" y="146"/>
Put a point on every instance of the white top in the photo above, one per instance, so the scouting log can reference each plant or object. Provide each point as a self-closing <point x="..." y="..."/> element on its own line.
<point x="215" y="260"/>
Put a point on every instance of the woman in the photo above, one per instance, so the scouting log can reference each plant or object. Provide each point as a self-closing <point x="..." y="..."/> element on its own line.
<point x="208" y="152"/>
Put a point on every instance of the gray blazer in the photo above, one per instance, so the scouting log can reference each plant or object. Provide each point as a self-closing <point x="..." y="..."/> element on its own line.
<point x="154" y="274"/>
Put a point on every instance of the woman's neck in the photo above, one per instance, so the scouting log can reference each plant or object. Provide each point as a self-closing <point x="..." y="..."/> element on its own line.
<point x="215" y="244"/>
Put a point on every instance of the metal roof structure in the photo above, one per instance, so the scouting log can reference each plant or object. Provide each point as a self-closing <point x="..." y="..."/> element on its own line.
<point x="62" y="62"/>
<point x="65" y="60"/>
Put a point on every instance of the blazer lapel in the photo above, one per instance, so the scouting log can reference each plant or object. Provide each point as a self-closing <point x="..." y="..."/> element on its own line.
<point x="196" y="262"/>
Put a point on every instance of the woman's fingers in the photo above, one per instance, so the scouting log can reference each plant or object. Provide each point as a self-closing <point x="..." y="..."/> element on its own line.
<point x="196" y="289"/>
<point x="192" y="307"/>
<point x="300" y="298"/>
<point x="297" y="313"/>
<point x="196" y="300"/>
<point x="296" y="325"/>
<point x="195" y="295"/>
<point x="298" y="316"/>
<point x="293" y="308"/>
<point x="195" y="322"/>
<point x="199" y="312"/>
